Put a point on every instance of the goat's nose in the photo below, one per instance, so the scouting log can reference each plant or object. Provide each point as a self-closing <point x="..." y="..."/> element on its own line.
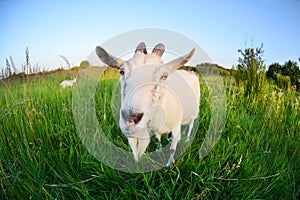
<point x="136" y="117"/>
<point x="133" y="117"/>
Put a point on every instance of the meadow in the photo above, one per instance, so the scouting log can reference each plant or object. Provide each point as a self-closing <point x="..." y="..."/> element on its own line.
<point x="42" y="157"/>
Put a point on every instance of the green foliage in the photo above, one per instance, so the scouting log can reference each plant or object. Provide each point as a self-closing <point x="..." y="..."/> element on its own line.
<point x="283" y="82"/>
<point x="291" y="69"/>
<point x="237" y="75"/>
<point x="273" y="70"/>
<point x="213" y="69"/>
<point x="251" y="70"/>
<point x="84" y="64"/>
<point x="41" y="156"/>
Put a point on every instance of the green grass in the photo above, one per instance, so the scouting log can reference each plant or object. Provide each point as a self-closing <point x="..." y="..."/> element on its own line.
<point x="42" y="157"/>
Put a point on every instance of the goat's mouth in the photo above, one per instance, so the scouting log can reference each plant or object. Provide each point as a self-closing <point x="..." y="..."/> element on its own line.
<point x="126" y="132"/>
<point x="131" y="129"/>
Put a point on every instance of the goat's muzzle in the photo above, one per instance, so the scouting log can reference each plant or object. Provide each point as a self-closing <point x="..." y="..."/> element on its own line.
<point x="132" y="117"/>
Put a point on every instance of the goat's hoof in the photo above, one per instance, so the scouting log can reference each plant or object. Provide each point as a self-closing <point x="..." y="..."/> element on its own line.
<point x="169" y="165"/>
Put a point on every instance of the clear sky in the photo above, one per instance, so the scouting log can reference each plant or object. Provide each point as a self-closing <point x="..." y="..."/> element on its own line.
<point x="73" y="28"/>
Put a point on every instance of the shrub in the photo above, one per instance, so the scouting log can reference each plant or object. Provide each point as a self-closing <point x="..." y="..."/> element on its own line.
<point x="283" y="82"/>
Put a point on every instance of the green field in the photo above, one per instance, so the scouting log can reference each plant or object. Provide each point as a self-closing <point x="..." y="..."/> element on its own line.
<point x="42" y="157"/>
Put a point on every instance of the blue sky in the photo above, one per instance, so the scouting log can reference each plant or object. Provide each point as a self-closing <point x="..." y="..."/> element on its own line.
<point x="74" y="28"/>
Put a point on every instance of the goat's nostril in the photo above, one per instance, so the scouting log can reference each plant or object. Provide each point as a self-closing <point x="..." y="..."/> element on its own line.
<point x="126" y="115"/>
<point x="131" y="116"/>
<point x="136" y="117"/>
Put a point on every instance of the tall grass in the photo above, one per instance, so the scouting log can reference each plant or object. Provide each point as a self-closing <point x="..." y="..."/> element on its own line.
<point x="42" y="157"/>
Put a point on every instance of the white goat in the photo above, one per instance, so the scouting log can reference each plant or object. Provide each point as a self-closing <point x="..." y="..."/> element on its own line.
<point x="67" y="83"/>
<point x="154" y="96"/>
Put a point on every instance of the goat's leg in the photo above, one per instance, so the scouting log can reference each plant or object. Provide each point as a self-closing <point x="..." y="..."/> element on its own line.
<point x="191" y="125"/>
<point x="176" y="133"/>
<point x="158" y="137"/>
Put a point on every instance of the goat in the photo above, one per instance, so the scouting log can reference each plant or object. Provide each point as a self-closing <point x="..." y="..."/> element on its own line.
<point x="154" y="96"/>
<point x="67" y="83"/>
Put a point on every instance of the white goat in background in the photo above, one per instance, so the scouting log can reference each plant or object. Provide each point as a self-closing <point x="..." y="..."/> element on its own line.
<point x="67" y="83"/>
<point x="154" y="96"/>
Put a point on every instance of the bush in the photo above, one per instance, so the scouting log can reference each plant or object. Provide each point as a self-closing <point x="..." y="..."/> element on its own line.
<point x="283" y="82"/>
<point x="252" y="71"/>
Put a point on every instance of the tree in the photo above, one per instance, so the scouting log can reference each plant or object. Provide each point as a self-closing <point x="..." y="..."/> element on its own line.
<point x="252" y="69"/>
<point x="291" y="69"/>
<point x="84" y="64"/>
<point x="251" y="59"/>
<point x="273" y="70"/>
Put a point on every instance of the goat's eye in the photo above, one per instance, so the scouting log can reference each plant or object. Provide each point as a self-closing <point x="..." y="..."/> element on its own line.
<point x="122" y="72"/>
<point x="164" y="76"/>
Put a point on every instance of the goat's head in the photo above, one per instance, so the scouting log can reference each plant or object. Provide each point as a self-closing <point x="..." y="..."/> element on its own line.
<point x="140" y="79"/>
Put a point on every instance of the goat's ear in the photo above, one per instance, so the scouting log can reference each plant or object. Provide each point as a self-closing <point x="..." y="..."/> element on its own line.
<point x="178" y="62"/>
<point x="141" y="48"/>
<point x="107" y="58"/>
<point x="159" y="49"/>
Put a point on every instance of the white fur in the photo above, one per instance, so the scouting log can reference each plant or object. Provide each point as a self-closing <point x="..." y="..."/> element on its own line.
<point x="166" y="103"/>
<point x="67" y="83"/>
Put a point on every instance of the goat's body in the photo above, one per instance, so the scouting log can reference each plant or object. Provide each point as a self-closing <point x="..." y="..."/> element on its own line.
<point x="67" y="83"/>
<point x="186" y="86"/>
<point x="180" y="101"/>
<point x="176" y="104"/>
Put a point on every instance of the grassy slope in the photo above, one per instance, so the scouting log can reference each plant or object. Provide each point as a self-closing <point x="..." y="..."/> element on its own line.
<point x="41" y="157"/>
